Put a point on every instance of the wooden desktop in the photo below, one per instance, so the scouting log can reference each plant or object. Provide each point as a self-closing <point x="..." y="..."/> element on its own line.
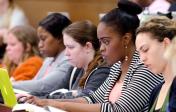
<point x="4" y="108"/>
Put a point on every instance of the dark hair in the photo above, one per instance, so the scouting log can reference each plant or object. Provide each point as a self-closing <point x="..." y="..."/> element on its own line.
<point x="123" y="19"/>
<point x="159" y="27"/>
<point x="82" y="32"/>
<point x="54" y="23"/>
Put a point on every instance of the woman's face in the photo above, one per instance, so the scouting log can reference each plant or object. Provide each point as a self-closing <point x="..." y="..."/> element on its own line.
<point x="112" y="47"/>
<point x="151" y="52"/>
<point x="76" y="53"/>
<point x="48" y="45"/>
<point x="14" y="49"/>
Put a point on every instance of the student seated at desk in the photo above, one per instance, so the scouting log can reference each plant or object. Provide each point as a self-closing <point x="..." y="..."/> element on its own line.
<point x="22" y="57"/>
<point x="54" y="69"/>
<point x="152" y="41"/>
<point x="82" y="50"/>
<point x="130" y="83"/>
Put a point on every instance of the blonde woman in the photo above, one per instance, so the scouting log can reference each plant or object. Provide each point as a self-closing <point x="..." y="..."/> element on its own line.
<point x="152" y="39"/>
<point x="22" y="54"/>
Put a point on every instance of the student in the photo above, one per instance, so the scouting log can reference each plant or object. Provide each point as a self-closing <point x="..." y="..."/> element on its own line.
<point x="55" y="67"/>
<point x="152" y="40"/>
<point x="82" y="50"/>
<point x="21" y="53"/>
<point x="171" y="56"/>
<point x="128" y="87"/>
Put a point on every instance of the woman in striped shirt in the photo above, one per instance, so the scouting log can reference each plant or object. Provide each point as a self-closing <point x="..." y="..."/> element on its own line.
<point x="128" y="87"/>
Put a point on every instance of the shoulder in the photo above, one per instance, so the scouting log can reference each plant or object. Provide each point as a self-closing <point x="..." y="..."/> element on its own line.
<point x="36" y="59"/>
<point x="102" y="70"/>
<point x="141" y="72"/>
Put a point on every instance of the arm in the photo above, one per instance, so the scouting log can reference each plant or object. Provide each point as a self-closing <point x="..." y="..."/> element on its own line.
<point x="95" y="79"/>
<point x="68" y="106"/>
<point x="52" y="81"/>
<point x="77" y="107"/>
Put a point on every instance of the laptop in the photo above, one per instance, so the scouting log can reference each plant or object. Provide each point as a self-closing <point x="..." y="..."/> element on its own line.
<point x="6" y="89"/>
<point x="9" y="98"/>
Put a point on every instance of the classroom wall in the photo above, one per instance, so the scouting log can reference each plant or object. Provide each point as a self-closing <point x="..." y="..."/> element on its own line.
<point x="78" y="9"/>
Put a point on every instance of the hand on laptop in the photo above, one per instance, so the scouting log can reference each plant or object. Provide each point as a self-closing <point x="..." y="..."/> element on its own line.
<point x="24" y="98"/>
<point x="21" y="98"/>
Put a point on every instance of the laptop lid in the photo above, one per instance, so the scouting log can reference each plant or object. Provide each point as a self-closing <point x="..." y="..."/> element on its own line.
<point x="6" y="89"/>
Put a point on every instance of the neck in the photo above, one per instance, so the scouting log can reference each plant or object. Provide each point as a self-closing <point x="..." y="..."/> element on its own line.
<point x="61" y="48"/>
<point x="126" y="64"/>
<point x="90" y="57"/>
<point x="167" y="74"/>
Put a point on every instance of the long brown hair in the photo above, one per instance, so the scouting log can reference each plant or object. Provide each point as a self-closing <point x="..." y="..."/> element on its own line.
<point x="97" y="61"/>
<point x="83" y="32"/>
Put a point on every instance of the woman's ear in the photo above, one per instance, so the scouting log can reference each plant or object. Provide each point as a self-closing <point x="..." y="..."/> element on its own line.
<point x="28" y="47"/>
<point x="166" y="42"/>
<point x="127" y="38"/>
<point x="88" y="46"/>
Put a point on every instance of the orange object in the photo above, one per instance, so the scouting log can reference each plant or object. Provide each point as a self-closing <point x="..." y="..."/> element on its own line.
<point x="28" y="69"/>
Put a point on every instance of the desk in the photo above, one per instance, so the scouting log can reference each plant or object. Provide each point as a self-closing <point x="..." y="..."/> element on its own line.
<point x="4" y="108"/>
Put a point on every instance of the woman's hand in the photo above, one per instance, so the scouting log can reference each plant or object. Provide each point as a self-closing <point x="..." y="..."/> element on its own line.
<point x="26" y="98"/>
<point x="37" y="101"/>
<point x="21" y="98"/>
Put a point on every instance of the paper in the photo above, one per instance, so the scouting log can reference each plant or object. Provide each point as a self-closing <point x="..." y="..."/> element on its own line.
<point x="53" y="109"/>
<point x="28" y="108"/>
<point x="33" y="108"/>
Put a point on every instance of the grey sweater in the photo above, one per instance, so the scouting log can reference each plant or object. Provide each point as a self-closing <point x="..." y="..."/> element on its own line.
<point x="50" y="81"/>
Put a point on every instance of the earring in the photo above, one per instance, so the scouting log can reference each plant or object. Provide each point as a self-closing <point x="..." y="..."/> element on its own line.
<point x="126" y="57"/>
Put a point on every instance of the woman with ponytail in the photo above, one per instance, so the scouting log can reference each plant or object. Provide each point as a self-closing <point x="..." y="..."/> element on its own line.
<point x="130" y="83"/>
<point x="82" y="50"/>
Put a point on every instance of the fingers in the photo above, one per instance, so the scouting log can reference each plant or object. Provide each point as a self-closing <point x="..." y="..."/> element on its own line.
<point x="21" y="95"/>
<point x="21" y="98"/>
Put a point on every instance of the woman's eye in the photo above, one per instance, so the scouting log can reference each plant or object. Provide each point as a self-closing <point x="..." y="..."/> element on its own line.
<point x="70" y="47"/>
<point x="106" y="42"/>
<point x="144" y="49"/>
<point x="43" y="38"/>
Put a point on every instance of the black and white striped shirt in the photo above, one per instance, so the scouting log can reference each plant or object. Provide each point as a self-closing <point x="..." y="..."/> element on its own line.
<point x="138" y="85"/>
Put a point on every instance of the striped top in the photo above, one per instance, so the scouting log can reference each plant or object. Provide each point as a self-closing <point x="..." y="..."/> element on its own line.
<point x="138" y="85"/>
